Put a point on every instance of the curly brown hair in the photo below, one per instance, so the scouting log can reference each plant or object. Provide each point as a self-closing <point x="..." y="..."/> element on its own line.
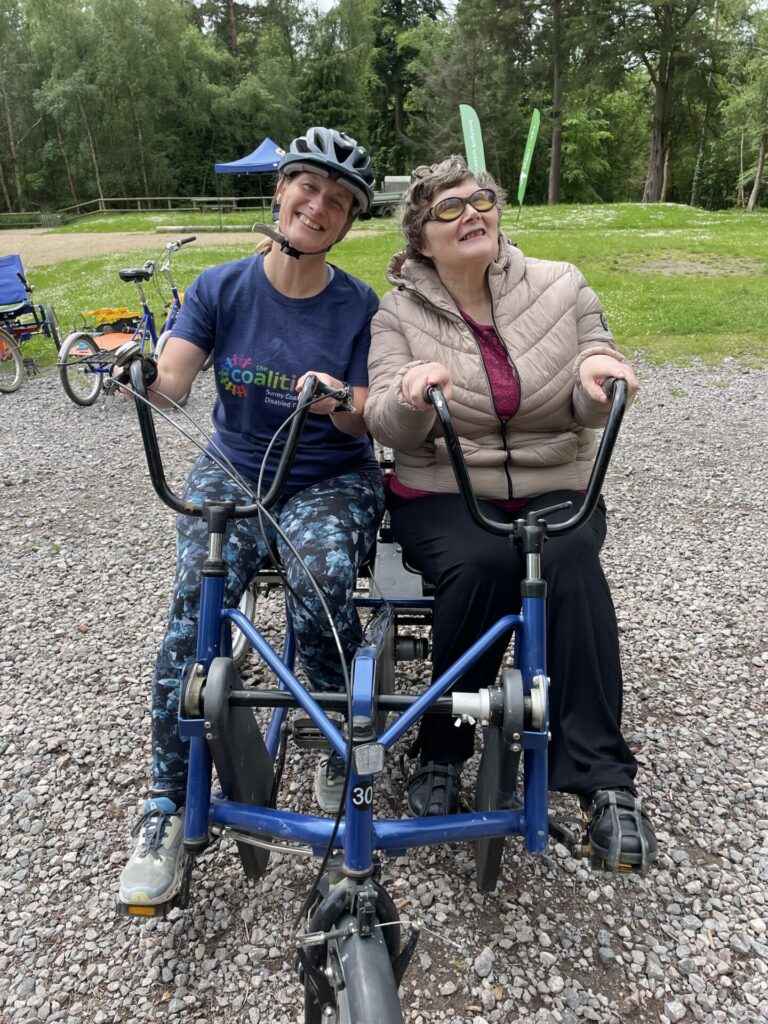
<point x="426" y="182"/>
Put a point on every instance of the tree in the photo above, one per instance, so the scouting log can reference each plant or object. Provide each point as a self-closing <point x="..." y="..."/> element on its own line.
<point x="392" y="78"/>
<point x="745" y="112"/>
<point x="14" y="79"/>
<point x="333" y="87"/>
<point x="666" y="38"/>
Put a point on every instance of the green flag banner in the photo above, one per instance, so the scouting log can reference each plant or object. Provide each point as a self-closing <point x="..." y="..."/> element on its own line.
<point x="533" y="131"/>
<point x="473" y="138"/>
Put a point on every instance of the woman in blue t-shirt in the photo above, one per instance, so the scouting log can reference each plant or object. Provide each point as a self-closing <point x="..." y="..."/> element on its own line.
<point x="270" y="320"/>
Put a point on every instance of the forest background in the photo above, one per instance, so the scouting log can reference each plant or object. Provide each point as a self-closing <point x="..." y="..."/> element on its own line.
<point x="640" y="101"/>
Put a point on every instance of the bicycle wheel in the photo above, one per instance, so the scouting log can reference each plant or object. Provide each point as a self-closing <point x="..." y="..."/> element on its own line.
<point x="11" y="364"/>
<point x="53" y="326"/>
<point x="81" y="376"/>
<point x="240" y="645"/>
<point x="360" y="972"/>
<point x="158" y="352"/>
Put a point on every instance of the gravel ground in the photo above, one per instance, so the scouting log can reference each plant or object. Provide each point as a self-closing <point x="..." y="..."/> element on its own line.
<point x="87" y="566"/>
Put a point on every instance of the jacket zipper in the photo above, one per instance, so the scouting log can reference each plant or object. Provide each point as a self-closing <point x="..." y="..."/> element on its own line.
<point x="510" y="490"/>
<point x="502" y="423"/>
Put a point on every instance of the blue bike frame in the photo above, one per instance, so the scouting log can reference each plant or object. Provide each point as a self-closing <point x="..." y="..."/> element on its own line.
<point x="361" y="834"/>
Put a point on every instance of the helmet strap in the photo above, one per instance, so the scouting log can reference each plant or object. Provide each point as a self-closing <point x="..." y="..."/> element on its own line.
<point x="286" y="247"/>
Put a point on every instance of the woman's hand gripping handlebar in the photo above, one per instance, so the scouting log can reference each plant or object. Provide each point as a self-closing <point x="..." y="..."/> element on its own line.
<point x="616" y="389"/>
<point x="312" y="390"/>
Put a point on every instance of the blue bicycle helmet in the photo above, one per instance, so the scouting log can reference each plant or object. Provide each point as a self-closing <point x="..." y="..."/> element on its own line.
<point x="335" y="154"/>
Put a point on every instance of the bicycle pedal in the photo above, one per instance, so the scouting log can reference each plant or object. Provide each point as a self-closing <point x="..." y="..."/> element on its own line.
<point x="598" y="863"/>
<point x="566" y="830"/>
<point x="149" y="912"/>
<point x="307" y="736"/>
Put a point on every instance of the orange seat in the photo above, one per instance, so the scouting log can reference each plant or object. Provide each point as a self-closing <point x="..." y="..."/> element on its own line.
<point x="111" y="340"/>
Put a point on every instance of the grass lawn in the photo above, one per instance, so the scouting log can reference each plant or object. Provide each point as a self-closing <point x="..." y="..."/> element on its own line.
<point x="675" y="282"/>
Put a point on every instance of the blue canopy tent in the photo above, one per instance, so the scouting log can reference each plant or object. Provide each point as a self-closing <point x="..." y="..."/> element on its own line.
<point x="265" y="159"/>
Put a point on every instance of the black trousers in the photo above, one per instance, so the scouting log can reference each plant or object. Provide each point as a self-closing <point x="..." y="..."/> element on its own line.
<point x="477" y="576"/>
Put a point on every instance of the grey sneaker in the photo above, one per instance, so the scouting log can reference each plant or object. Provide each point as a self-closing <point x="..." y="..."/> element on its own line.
<point x="329" y="782"/>
<point x="154" y="872"/>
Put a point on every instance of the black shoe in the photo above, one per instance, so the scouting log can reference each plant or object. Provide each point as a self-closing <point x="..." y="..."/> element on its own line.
<point x="434" y="790"/>
<point x="620" y="831"/>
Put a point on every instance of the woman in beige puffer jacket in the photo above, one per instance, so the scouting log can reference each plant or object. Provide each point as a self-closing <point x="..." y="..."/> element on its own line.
<point x="521" y="349"/>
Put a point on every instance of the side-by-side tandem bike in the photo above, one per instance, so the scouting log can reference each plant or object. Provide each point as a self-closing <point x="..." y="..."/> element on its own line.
<point x="351" y="950"/>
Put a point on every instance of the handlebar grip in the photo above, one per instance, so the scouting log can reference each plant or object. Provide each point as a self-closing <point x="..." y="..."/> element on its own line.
<point x="609" y="384"/>
<point x="184" y="241"/>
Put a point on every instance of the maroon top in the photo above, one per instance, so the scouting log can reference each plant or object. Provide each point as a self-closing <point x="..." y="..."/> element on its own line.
<point x="505" y="392"/>
<point x="505" y="386"/>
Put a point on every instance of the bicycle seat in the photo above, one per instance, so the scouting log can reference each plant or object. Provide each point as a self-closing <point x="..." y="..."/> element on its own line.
<point x="135" y="274"/>
<point x="272" y="575"/>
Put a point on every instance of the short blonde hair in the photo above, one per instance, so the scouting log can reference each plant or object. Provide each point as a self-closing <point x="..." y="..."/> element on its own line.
<point x="426" y="182"/>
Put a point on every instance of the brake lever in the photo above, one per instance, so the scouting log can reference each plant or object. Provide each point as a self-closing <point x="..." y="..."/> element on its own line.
<point x="539" y="515"/>
<point x="342" y="394"/>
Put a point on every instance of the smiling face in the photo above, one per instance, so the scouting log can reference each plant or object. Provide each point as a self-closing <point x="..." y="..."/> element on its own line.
<point x="313" y="210"/>
<point x="470" y="240"/>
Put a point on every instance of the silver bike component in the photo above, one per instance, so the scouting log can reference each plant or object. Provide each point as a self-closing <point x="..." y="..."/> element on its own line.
<point x="126" y="352"/>
<point x="193" y="693"/>
<point x="472" y="705"/>
<point x="245" y="837"/>
<point x="319" y="938"/>
<point x="215" y="545"/>
<point x="538" y="696"/>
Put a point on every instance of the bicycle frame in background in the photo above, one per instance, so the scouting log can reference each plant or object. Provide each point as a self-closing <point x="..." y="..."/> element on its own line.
<point x="349" y="945"/>
<point x="86" y="358"/>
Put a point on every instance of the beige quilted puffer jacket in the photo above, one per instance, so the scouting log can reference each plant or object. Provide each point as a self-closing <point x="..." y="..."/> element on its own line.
<point x="549" y="321"/>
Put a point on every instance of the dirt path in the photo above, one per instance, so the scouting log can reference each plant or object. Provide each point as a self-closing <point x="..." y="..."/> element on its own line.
<point x="38" y="248"/>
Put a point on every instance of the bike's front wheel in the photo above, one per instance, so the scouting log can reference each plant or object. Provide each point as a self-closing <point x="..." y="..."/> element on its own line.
<point x="81" y="376"/>
<point x="11" y="364"/>
<point x="54" y="329"/>
<point x="360" y="972"/>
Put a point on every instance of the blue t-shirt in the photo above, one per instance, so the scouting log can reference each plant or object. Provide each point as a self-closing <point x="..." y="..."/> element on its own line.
<point x="262" y="343"/>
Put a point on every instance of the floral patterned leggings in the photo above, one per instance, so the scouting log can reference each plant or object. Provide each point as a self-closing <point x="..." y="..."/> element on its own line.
<point x="332" y="525"/>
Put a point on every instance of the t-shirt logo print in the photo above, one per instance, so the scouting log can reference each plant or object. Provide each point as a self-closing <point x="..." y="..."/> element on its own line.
<point x="236" y="374"/>
<point x="231" y="374"/>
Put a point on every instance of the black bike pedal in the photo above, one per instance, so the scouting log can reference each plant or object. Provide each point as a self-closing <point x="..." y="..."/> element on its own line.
<point x="307" y="736"/>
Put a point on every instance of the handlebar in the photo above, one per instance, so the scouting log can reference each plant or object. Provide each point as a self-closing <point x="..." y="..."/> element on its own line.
<point x="612" y="386"/>
<point x="313" y="388"/>
<point x="170" y="249"/>
<point x="28" y="288"/>
<point x="173" y="246"/>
